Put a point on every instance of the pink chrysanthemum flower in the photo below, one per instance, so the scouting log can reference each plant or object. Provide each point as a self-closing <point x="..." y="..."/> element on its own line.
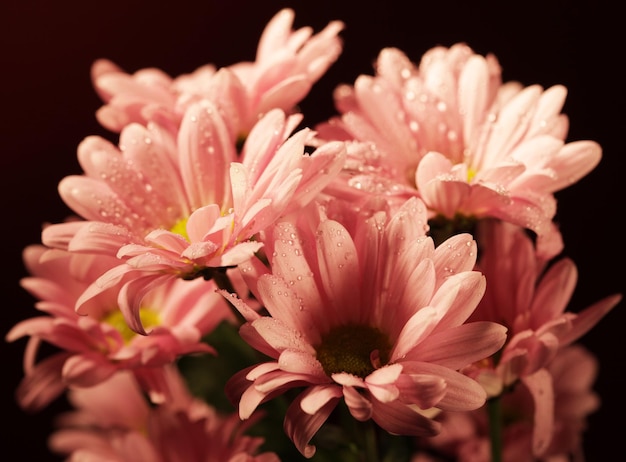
<point x="465" y="436"/>
<point x="288" y="62"/>
<point x="376" y="319"/>
<point x="113" y="422"/>
<point x="180" y="207"/>
<point x="470" y="146"/>
<point x="89" y="349"/>
<point x="530" y="298"/>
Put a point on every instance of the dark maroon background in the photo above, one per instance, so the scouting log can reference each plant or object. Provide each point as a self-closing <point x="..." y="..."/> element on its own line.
<point x="47" y="106"/>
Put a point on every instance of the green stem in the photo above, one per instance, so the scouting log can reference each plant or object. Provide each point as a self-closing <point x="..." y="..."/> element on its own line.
<point x="370" y="446"/>
<point x="494" y="406"/>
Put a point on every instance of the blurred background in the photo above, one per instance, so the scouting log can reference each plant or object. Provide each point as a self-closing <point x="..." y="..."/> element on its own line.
<point x="47" y="107"/>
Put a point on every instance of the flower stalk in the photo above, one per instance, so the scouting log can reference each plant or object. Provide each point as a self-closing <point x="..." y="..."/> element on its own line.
<point x="494" y="408"/>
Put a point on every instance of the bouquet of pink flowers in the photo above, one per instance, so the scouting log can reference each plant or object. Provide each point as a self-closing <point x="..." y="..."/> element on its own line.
<point x="386" y="285"/>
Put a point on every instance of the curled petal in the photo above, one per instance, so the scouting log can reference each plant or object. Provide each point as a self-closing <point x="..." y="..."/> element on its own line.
<point x="359" y="406"/>
<point x="400" y="419"/>
<point x="318" y="396"/>
<point x="301" y="427"/>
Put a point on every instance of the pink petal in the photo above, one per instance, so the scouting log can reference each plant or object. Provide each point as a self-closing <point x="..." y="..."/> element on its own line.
<point x="444" y="193"/>
<point x="318" y="170"/>
<point x="87" y="370"/>
<point x="382" y="382"/>
<point x="59" y="235"/>
<point x="201" y="221"/>
<point x="359" y="406"/>
<point x="259" y="370"/>
<point x="249" y="401"/>
<point x="473" y="95"/>
<point x="459" y="346"/>
<point x="282" y="303"/>
<point x="554" y="291"/>
<point x="167" y="240"/>
<point x="246" y="311"/>
<point x="280" y="335"/>
<point x="400" y="419"/>
<point x="409" y="293"/>
<point x="510" y="126"/>
<point x="458" y="297"/>
<point x="206" y="149"/>
<point x="540" y="386"/>
<point x="455" y="255"/>
<point x="381" y="105"/>
<point x="547" y="111"/>
<point x="285" y="94"/>
<point x="278" y="381"/>
<point x="348" y="380"/>
<point x="241" y="186"/>
<point x="239" y="253"/>
<point x="102" y="238"/>
<point x="94" y="200"/>
<point x="589" y="317"/>
<point x="339" y="268"/>
<point x="251" y="336"/>
<point x="574" y="161"/>
<point x="425" y="391"/>
<point x="302" y="362"/>
<point x="42" y="384"/>
<point x="131" y="295"/>
<point x="301" y="427"/>
<point x="318" y="396"/>
<point x="462" y="392"/>
<point x="418" y="327"/>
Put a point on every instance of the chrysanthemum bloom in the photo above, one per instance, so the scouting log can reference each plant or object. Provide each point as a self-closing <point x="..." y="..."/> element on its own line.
<point x="113" y="422"/>
<point x="451" y="132"/>
<point x="89" y="349"/>
<point x="465" y="436"/>
<point x="376" y="319"/>
<point x="288" y="62"/>
<point x="530" y="298"/>
<point x="180" y="207"/>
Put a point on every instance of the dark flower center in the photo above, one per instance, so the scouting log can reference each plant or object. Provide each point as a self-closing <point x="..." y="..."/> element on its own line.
<point x="355" y="349"/>
<point x="442" y="228"/>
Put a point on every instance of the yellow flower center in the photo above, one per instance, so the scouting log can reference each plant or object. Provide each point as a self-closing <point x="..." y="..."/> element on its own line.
<point x="471" y="173"/>
<point x="181" y="228"/>
<point x="149" y="318"/>
<point x="355" y="349"/>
